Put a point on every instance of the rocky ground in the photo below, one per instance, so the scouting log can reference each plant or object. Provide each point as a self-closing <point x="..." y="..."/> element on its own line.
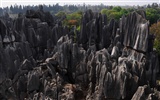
<point x="42" y="59"/>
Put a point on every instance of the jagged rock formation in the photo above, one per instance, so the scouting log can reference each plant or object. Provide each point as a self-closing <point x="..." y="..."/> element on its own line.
<point x="40" y="59"/>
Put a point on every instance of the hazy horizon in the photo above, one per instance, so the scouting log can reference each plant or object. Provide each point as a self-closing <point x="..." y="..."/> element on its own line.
<point x="5" y="3"/>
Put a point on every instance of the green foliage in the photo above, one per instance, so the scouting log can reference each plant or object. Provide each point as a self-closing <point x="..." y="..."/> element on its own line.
<point x="104" y="11"/>
<point x="75" y="36"/>
<point x="152" y="14"/>
<point x="73" y="19"/>
<point x="74" y="16"/>
<point x="117" y="9"/>
<point x="80" y="12"/>
<point x="130" y="9"/>
<point x="157" y="46"/>
<point x="78" y="28"/>
<point x="115" y="15"/>
<point x="124" y="12"/>
<point x="115" y="12"/>
<point x="60" y="14"/>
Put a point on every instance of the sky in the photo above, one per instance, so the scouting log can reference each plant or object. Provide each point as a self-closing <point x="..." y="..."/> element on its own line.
<point x="4" y="3"/>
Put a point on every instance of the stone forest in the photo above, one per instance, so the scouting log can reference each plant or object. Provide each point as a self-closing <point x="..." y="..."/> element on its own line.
<point x="41" y="59"/>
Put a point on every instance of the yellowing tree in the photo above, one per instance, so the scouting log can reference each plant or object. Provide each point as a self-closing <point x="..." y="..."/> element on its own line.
<point x="155" y="29"/>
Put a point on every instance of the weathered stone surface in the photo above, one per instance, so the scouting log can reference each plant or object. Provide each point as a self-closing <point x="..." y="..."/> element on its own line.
<point x="26" y="65"/>
<point x="33" y="81"/>
<point x="146" y="93"/>
<point x="136" y="29"/>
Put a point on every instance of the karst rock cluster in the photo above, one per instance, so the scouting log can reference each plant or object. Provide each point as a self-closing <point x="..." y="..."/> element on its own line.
<point x="40" y="59"/>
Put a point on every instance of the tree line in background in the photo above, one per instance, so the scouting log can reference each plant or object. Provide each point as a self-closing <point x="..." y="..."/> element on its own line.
<point x="72" y="11"/>
<point x="71" y="14"/>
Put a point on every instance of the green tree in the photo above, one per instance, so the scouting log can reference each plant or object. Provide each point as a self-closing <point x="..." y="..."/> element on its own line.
<point x="115" y="15"/>
<point x="152" y="15"/>
<point x="104" y="11"/>
<point x="115" y="12"/>
<point x="118" y="8"/>
<point x="124" y="12"/>
<point x="60" y="14"/>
